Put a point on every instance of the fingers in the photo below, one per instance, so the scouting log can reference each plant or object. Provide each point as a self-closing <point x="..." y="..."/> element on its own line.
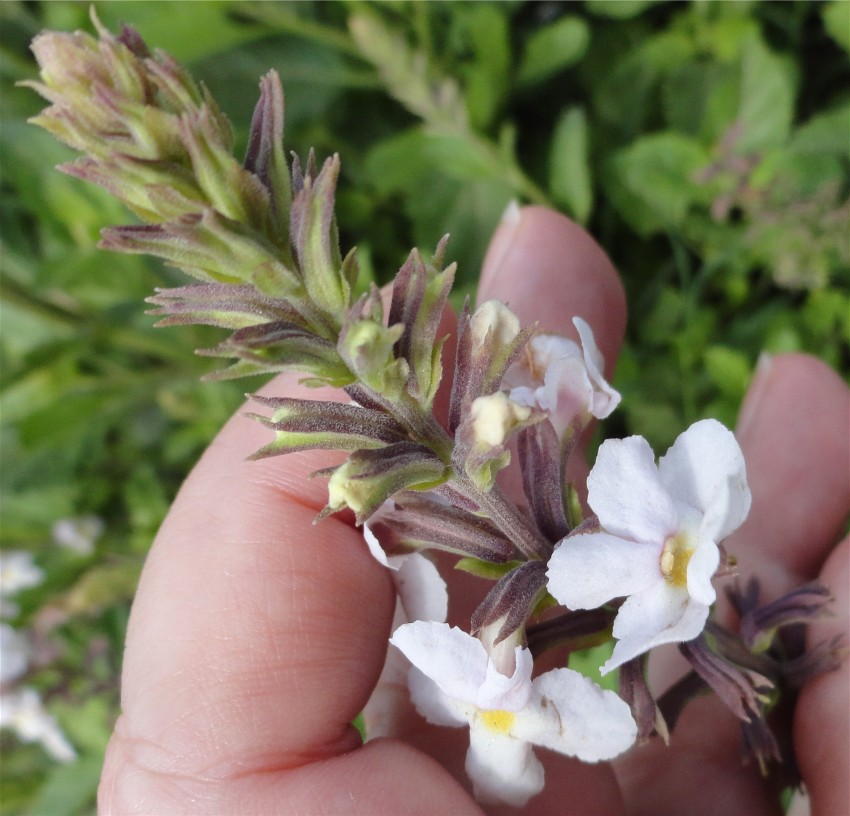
<point x="793" y="429"/>
<point x="821" y="738"/>
<point x="549" y="270"/>
<point x="793" y="432"/>
<point x="255" y="635"/>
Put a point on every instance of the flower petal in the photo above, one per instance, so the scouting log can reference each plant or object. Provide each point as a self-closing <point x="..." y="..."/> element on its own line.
<point x="434" y="704"/>
<point x="499" y="691"/>
<point x="376" y="549"/>
<point x="662" y="614"/>
<point x="605" y="398"/>
<point x="701" y="568"/>
<point x="502" y="769"/>
<point x="705" y="469"/>
<point x="625" y="492"/>
<point x="586" y="571"/>
<point x="453" y="659"/>
<point x="421" y="590"/>
<point x="570" y="714"/>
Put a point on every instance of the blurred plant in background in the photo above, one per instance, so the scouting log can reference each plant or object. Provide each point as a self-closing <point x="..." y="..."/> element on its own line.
<point x="704" y="144"/>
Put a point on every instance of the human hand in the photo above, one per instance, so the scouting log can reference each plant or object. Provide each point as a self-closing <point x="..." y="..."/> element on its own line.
<point x="256" y="637"/>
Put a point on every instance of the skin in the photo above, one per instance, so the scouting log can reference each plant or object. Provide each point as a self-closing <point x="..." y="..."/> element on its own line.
<point x="256" y="637"/>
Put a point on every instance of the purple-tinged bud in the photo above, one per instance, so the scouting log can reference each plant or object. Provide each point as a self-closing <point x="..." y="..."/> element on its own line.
<point x="420" y="522"/>
<point x="511" y="601"/>
<point x="802" y="605"/>
<point x="635" y="691"/>
<point x="743" y="691"/>
<point x="310" y="424"/>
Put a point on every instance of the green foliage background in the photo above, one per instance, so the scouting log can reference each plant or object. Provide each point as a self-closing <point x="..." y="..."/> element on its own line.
<point x="704" y="144"/>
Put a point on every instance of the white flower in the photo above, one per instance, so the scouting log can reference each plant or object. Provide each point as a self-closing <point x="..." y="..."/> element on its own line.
<point x="14" y="654"/>
<point x="421" y="594"/>
<point x="563" y="379"/>
<point x="17" y="571"/>
<point x="661" y="526"/>
<point x="78" y="534"/>
<point x="455" y="682"/>
<point x="23" y="712"/>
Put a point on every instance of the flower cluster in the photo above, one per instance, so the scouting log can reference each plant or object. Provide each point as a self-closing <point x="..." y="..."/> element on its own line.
<point x="21" y="707"/>
<point x="260" y="239"/>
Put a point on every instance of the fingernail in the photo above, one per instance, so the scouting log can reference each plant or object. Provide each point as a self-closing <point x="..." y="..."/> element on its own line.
<point x="501" y="243"/>
<point x="755" y="393"/>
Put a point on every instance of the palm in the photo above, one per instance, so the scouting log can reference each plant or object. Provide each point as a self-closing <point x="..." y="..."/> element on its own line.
<point x="256" y="636"/>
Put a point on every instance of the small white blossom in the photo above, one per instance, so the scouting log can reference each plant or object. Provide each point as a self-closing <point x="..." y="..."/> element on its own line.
<point x="661" y="527"/>
<point x="17" y="571"/>
<point x="22" y="711"/>
<point x="14" y="654"/>
<point x="562" y="378"/>
<point x="421" y="594"/>
<point x="455" y="682"/>
<point x="78" y="534"/>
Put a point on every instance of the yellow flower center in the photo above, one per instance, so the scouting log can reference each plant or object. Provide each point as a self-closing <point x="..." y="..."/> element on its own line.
<point x="498" y="720"/>
<point x="675" y="556"/>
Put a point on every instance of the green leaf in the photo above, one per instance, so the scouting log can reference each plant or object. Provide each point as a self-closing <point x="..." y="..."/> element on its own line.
<point x="486" y="78"/>
<point x="68" y="788"/>
<point x="178" y="31"/>
<point x="826" y="132"/>
<point x="553" y="48"/>
<point x="767" y="98"/>
<point x="618" y="9"/>
<point x="569" y="168"/>
<point x="836" y="20"/>
<point x="729" y="370"/>
<point x="652" y="181"/>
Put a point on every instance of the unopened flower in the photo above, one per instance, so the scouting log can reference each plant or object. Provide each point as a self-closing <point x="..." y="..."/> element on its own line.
<point x="455" y="682"/>
<point x="659" y="543"/>
<point x="562" y="378"/>
<point x="23" y="712"/>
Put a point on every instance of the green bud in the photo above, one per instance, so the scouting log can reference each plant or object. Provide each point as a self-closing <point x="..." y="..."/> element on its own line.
<point x="369" y="477"/>
<point x="369" y="349"/>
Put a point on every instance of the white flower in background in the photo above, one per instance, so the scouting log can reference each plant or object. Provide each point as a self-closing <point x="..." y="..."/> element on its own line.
<point x="78" y="534"/>
<point x="421" y="594"/>
<point x="455" y="682"/>
<point x="14" y="654"/>
<point x="661" y="527"/>
<point x="22" y="711"/>
<point x="17" y="571"/>
<point x="562" y="378"/>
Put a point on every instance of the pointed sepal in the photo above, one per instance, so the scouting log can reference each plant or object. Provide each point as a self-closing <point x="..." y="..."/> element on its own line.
<point x="301" y="424"/>
<point x="511" y="601"/>
<point x="420" y="293"/>
<point x="420" y="522"/>
<point x="281" y="346"/>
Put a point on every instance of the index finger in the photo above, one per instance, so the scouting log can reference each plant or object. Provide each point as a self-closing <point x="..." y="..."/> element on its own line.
<point x="255" y="638"/>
